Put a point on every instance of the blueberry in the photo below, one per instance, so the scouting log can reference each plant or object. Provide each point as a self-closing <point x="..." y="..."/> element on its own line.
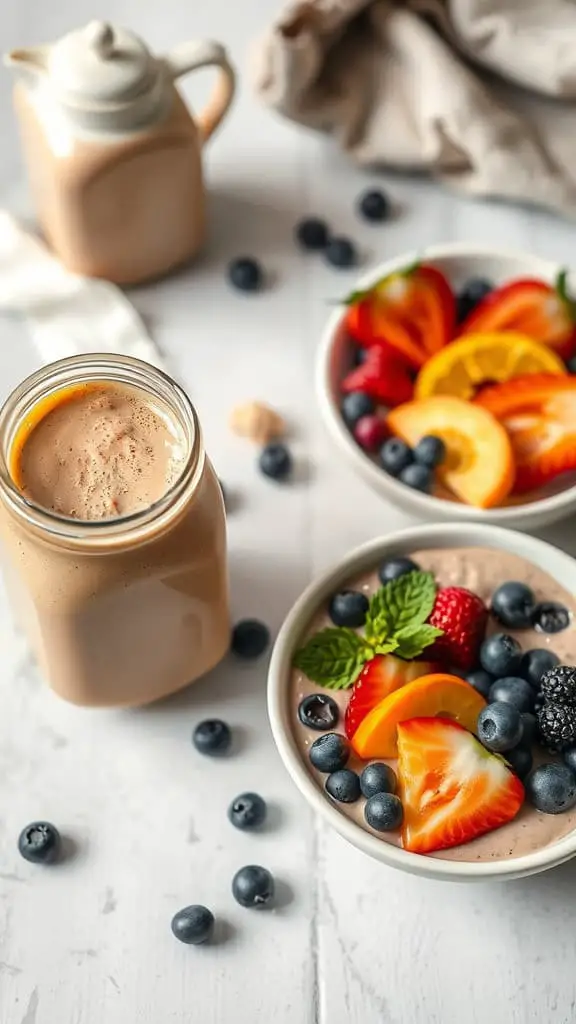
<point x="253" y="886"/>
<point x="245" y="274"/>
<point x="481" y="681"/>
<point x="419" y="478"/>
<point x="275" y="461"/>
<point x="329" y="753"/>
<point x="528" y="728"/>
<point x="476" y="289"/>
<point x="392" y="568"/>
<point x="374" y="205"/>
<point x="318" y="711"/>
<point x="359" y="356"/>
<point x="247" y="811"/>
<point x="500" y="655"/>
<point x="534" y="664"/>
<point x="520" y="760"/>
<point x="343" y="786"/>
<point x="395" y="455"/>
<point x="550" y="617"/>
<point x="513" y="690"/>
<point x="250" y="638"/>
<point x="193" y="925"/>
<point x="348" y="608"/>
<point x="430" y="451"/>
<point x="571" y="364"/>
<point x="499" y="727"/>
<point x="355" y="405"/>
<point x="39" y="842"/>
<point x="569" y="756"/>
<point x="383" y="812"/>
<point x="341" y="252"/>
<point x="212" y="737"/>
<point x="312" y="233"/>
<point x="551" y="788"/>
<point x="377" y="778"/>
<point x="513" y="604"/>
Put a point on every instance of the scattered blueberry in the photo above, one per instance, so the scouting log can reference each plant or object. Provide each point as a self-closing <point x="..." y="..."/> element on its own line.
<point x="569" y="756"/>
<point x="318" y="711"/>
<point x="500" y="655"/>
<point x="343" y="786"/>
<point x="392" y="568"/>
<point x="370" y="432"/>
<point x="377" y="778"/>
<point x="355" y="406"/>
<point x="520" y="760"/>
<point x="481" y="681"/>
<point x="559" y="684"/>
<point x="39" y="842"/>
<point x="247" y="811"/>
<point x="341" y="252"/>
<point x="476" y="289"/>
<point x="551" y="788"/>
<point x="499" y="727"/>
<point x="534" y="664"/>
<point x="528" y="728"/>
<point x="419" y="478"/>
<point x="193" y="925"/>
<point x="348" y="608"/>
<point x="430" y="451"/>
<point x="557" y="725"/>
<point x="513" y="604"/>
<point x="212" y="737"/>
<point x="250" y="638"/>
<point x="550" y="617"/>
<point x="253" y="886"/>
<point x="571" y="364"/>
<point x="513" y="690"/>
<point x="395" y="455"/>
<point x="329" y="753"/>
<point x="275" y="461"/>
<point x="312" y="233"/>
<point x="374" y="205"/>
<point x="383" y="812"/>
<point x="245" y="274"/>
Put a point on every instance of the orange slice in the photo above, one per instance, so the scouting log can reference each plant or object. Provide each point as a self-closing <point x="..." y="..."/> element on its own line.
<point x="463" y="366"/>
<point x="479" y="463"/>
<point x="432" y="696"/>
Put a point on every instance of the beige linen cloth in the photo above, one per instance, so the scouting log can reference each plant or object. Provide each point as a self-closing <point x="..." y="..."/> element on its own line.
<point x="480" y="93"/>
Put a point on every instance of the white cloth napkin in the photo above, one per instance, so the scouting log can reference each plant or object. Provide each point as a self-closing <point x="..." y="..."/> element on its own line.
<point x="66" y="314"/>
<point x="481" y="93"/>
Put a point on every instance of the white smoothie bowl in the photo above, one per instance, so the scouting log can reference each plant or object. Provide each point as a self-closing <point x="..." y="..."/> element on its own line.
<point x="458" y="262"/>
<point x="560" y="566"/>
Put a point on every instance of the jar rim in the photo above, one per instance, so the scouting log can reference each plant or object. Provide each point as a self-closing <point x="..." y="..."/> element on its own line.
<point x="116" y="369"/>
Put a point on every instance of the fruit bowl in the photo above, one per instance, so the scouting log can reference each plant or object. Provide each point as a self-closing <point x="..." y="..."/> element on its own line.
<point x="440" y="540"/>
<point x="458" y="263"/>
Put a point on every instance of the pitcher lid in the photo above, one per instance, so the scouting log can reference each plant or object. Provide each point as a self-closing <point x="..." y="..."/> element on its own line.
<point x="100" y="64"/>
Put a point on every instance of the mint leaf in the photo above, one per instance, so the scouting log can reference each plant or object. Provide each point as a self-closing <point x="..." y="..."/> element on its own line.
<point x="386" y="647"/>
<point x="403" y="602"/>
<point x="333" y="657"/>
<point x="412" y="640"/>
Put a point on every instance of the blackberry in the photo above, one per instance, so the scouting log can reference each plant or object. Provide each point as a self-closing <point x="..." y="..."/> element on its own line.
<point x="558" y="685"/>
<point x="557" y="725"/>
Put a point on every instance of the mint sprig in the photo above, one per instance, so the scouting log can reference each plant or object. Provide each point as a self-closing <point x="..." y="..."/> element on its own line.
<point x="395" y="623"/>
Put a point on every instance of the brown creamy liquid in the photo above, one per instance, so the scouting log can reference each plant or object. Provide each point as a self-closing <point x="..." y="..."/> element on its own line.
<point x="124" y="622"/>
<point x="480" y="570"/>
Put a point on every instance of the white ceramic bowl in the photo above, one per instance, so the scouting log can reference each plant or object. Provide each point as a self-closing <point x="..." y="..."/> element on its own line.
<point x="558" y="564"/>
<point x="458" y="262"/>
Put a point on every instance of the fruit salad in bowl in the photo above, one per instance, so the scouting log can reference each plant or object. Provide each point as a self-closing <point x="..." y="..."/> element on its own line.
<point x="423" y="697"/>
<point x="449" y="381"/>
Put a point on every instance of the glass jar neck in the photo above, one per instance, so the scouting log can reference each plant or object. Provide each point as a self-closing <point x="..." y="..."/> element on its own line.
<point x="122" y="531"/>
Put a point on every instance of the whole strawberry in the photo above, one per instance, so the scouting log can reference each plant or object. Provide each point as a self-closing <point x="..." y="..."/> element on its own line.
<point x="463" y="617"/>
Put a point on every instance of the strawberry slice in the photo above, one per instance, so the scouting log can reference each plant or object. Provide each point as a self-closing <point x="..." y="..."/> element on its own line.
<point x="380" y="677"/>
<point x="382" y="376"/>
<point x="452" y="789"/>
<point x="539" y="414"/>
<point x="542" y="311"/>
<point x="412" y="312"/>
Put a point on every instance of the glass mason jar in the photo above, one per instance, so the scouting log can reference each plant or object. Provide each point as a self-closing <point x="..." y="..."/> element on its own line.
<point x="120" y="611"/>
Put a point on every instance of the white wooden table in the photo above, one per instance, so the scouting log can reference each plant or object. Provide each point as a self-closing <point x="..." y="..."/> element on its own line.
<point x="89" y="942"/>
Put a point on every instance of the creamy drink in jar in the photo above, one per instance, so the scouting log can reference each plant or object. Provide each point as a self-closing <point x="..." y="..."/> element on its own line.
<point x="113" y="529"/>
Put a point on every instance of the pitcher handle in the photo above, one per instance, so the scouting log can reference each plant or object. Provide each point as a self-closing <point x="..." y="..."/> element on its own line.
<point x="200" y="54"/>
